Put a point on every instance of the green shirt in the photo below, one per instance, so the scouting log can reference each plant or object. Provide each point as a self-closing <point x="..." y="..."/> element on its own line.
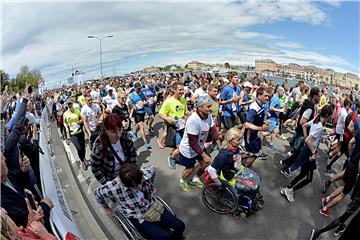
<point x="174" y="108"/>
<point x="71" y="120"/>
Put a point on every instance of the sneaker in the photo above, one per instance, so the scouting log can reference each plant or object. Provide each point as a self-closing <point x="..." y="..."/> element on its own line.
<point x="262" y="155"/>
<point x="151" y="131"/>
<point x="84" y="165"/>
<point x="289" y="195"/>
<point x="289" y="153"/>
<point x="197" y="183"/>
<point x="147" y="145"/>
<point x="326" y="213"/>
<point x="160" y="143"/>
<point x="314" y="234"/>
<point x="340" y="230"/>
<point x="282" y="191"/>
<point x="282" y="137"/>
<point x="327" y="184"/>
<point x="134" y="136"/>
<point x="172" y="163"/>
<point x="286" y="173"/>
<point x="282" y="162"/>
<point x="185" y="186"/>
<point x="271" y="146"/>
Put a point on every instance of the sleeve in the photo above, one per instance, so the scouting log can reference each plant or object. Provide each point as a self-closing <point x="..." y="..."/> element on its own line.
<point x="224" y="94"/>
<point x="274" y="102"/>
<point x="307" y="113"/>
<point x="192" y="128"/>
<point x="315" y="131"/>
<point x="219" y="160"/>
<point x="193" y="142"/>
<point x="96" y="164"/>
<point x="83" y="111"/>
<point x="250" y="116"/>
<point x="103" y="192"/>
<point x="163" y="109"/>
<point x="149" y="173"/>
<point x="14" y="135"/>
<point x="214" y="133"/>
<point x="12" y="120"/>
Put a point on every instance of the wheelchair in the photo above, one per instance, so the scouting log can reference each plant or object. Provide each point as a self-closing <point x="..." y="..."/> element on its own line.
<point x="128" y="228"/>
<point x="226" y="199"/>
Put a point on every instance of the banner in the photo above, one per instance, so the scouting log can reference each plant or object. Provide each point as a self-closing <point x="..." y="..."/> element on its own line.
<point x="61" y="216"/>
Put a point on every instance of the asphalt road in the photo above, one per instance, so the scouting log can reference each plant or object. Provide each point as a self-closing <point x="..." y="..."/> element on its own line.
<point x="279" y="219"/>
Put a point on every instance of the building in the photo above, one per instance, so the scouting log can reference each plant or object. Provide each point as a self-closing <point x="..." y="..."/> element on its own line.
<point x="265" y="65"/>
<point x="339" y="79"/>
<point x="195" y="65"/>
<point x="151" y="69"/>
<point x="352" y="80"/>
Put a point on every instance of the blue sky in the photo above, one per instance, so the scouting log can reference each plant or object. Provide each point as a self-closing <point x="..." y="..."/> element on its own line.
<point x="50" y="36"/>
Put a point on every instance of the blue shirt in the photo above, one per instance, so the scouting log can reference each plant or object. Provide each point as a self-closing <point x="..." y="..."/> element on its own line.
<point x="275" y="103"/>
<point x="149" y="93"/>
<point x="135" y="98"/>
<point x="229" y="92"/>
<point x="256" y="116"/>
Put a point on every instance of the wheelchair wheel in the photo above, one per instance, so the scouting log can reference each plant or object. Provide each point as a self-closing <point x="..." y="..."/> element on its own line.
<point x="220" y="199"/>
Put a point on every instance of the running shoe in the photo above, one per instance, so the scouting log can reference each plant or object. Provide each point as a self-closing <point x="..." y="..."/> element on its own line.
<point x="282" y="137"/>
<point x="171" y="163"/>
<point x="324" y="201"/>
<point x="185" y="186"/>
<point x="289" y="195"/>
<point x="151" y="131"/>
<point x="134" y="136"/>
<point x="340" y="229"/>
<point x="326" y="213"/>
<point x="286" y="173"/>
<point x="271" y="147"/>
<point x="196" y="182"/>
<point x="147" y="145"/>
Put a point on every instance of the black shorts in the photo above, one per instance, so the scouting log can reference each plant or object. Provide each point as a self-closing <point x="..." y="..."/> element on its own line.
<point x="189" y="162"/>
<point x="229" y="122"/>
<point x="139" y="117"/>
<point x="349" y="179"/>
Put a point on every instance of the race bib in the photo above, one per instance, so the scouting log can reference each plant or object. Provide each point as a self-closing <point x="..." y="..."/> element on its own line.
<point x="151" y="100"/>
<point x="139" y="104"/>
<point x="75" y="127"/>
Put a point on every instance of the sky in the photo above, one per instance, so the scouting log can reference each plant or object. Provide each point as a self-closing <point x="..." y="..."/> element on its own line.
<point x="52" y="36"/>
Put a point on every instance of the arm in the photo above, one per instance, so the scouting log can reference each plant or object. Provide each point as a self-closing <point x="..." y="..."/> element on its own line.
<point x="13" y="119"/>
<point x="86" y="125"/>
<point x="101" y="193"/>
<point x="96" y="163"/>
<point x="304" y="128"/>
<point x="14" y="135"/>
<point x="350" y="146"/>
<point x="167" y="119"/>
<point x="254" y="127"/>
<point x="308" y="140"/>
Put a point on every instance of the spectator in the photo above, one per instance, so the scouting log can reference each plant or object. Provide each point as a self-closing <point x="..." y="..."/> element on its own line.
<point x="133" y="192"/>
<point x="111" y="150"/>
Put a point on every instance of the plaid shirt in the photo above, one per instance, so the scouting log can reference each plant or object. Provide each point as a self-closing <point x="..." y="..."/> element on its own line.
<point x="126" y="199"/>
<point x="103" y="161"/>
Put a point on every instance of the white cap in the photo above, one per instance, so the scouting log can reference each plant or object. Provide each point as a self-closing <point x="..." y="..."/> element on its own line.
<point x="248" y="84"/>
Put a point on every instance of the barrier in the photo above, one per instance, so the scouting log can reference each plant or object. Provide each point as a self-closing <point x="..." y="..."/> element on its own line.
<point x="62" y="220"/>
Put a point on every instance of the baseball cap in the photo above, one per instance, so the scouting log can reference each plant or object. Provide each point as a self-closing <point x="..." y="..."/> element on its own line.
<point x="248" y="84"/>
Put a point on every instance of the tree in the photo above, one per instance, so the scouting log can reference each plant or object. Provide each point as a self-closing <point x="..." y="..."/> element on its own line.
<point x="227" y="65"/>
<point x="25" y="77"/>
<point x="4" y="80"/>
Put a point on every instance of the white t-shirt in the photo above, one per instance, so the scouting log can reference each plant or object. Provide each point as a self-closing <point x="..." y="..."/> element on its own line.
<point x="340" y="121"/>
<point x="119" y="151"/>
<point x="94" y="94"/>
<point x="296" y="93"/>
<point x="199" y="92"/>
<point x="110" y="101"/>
<point x="195" y="126"/>
<point x="307" y="113"/>
<point x="92" y="115"/>
<point x="316" y="131"/>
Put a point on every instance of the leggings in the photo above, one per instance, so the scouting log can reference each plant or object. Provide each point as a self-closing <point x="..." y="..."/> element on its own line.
<point x="305" y="172"/>
<point x="78" y="140"/>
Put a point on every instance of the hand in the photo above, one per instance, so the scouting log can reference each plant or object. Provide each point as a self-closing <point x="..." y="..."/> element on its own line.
<point x="109" y="212"/>
<point x="206" y="158"/>
<point x="48" y="202"/>
<point x="24" y="163"/>
<point x="313" y="157"/>
<point x="265" y="127"/>
<point x="37" y="215"/>
<point x="26" y="93"/>
<point x="39" y="229"/>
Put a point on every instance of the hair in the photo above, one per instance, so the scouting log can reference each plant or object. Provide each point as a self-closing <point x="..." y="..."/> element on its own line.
<point x="174" y="85"/>
<point x="260" y="91"/>
<point x="326" y="112"/>
<point x="231" y="75"/>
<point x="347" y="102"/>
<point x="87" y="95"/>
<point x="314" y="91"/>
<point x="130" y="175"/>
<point x="231" y="134"/>
<point x="113" y="122"/>
<point x="211" y="86"/>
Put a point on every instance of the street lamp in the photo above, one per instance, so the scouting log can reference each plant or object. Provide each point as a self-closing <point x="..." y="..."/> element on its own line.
<point x="100" y="40"/>
<point x="72" y="67"/>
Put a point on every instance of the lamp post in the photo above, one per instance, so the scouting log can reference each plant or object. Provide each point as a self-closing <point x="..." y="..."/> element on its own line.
<point x="72" y="67"/>
<point x="100" y="40"/>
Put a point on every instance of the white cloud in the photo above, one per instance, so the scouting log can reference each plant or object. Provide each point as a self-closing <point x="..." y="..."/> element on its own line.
<point x="288" y="44"/>
<point x="50" y="35"/>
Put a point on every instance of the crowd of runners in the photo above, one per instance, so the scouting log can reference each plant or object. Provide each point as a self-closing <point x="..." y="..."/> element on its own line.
<point x="237" y="115"/>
